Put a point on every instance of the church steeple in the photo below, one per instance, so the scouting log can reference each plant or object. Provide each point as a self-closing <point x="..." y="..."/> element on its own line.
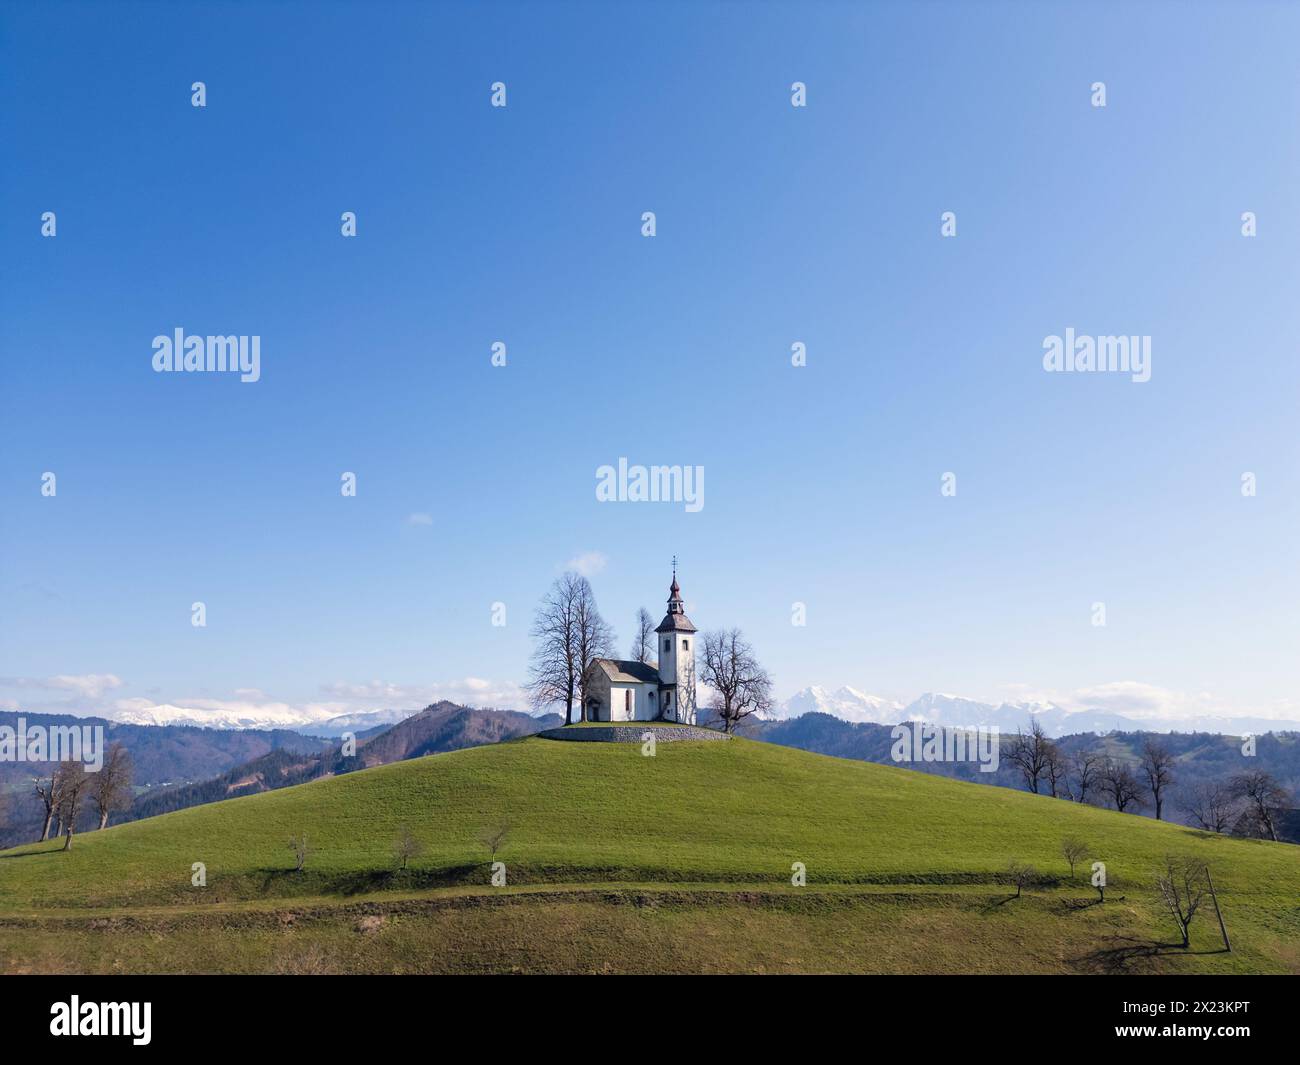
<point x="675" y="620"/>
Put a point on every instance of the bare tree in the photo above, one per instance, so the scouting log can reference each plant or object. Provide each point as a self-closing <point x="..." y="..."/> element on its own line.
<point x="741" y="687"/>
<point x="110" y="788"/>
<point x="1029" y="754"/>
<point x="301" y="851"/>
<point x="1118" y="784"/>
<point x="494" y="838"/>
<point x="406" y="847"/>
<point x="1085" y="768"/>
<point x="644" y="642"/>
<point x="1055" y="768"/>
<point x="595" y="639"/>
<point x="569" y="632"/>
<point x="1213" y="805"/>
<point x="49" y="795"/>
<point x="1021" y="873"/>
<point x="1074" y="850"/>
<point x="1182" y="885"/>
<point x="1158" y="769"/>
<point x="73" y="784"/>
<point x="1263" y="797"/>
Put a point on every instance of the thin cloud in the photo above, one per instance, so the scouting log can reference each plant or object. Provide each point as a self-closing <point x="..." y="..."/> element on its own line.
<point x="587" y="564"/>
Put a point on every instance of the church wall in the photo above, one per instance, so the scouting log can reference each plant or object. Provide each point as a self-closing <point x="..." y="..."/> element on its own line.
<point x="643" y="708"/>
<point x="599" y="690"/>
<point x="667" y="657"/>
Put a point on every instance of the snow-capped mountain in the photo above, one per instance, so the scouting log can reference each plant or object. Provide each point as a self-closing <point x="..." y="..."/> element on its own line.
<point x="846" y="703"/>
<point x="955" y="711"/>
<point x="336" y="726"/>
<point x="317" y="722"/>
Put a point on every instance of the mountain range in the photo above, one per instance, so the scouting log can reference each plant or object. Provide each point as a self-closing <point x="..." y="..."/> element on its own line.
<point x="846" y="703"/>
<point x="954" y="711"/>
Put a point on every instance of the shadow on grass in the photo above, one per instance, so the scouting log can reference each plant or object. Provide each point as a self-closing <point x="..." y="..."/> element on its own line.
<point x="1079" y="905"/>
<point x="1127" y="956"/>
<point x="291" y="882"/>
<point x="40" y="849"/>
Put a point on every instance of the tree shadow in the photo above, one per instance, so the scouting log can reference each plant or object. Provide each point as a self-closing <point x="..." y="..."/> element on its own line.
<point x="30" y="853"/>
<point x="365" y="881"/>
<point x="1128" y="956"/>
<point x="1079" y="905"/>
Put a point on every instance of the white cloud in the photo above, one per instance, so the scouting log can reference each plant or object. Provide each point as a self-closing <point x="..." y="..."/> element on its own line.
<point x="384" y="695"/>
<point x="419" y="519"/>
<point x="1145" y="702"/>
<point x="587" y="564"/>
<point x="87" y="685"/>
<point x="252" y="709"/>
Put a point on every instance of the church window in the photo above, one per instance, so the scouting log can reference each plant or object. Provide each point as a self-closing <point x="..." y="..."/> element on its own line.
<point x="686" y="645"/>
<point x="668" y="645"/>
<point x="627" y="702"/>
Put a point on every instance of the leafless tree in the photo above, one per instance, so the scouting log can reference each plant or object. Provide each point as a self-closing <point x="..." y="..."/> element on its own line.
<point x="406" y="847"/>
<point x="1085" y="769"/>
<point x="1074" y="851"/>
<point x="49" y="795"/>
<point x="494" y="838"/>
<point x="1158" y="769"/>
<point x="569" y="632"/>
<point x="644" y="642"/>
<point x="1118" y="784"/>
<point x="110" y="788"/>
<point x="1213" y="805"/>
<point x="301" y="851"/>
<point x="1182" y="885"/>
<point x="1263" y="797"/>
<point x="73" y="785"/>
<point x="1055" y="769"/>
<point x="1030" y="754"/>
<point x="595" y="639"/>
<point x="741" y="687"/>
<point x="1021" y="873"/>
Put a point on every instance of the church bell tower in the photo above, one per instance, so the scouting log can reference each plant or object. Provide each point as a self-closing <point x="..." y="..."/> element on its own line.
<point x="676" y="649"/>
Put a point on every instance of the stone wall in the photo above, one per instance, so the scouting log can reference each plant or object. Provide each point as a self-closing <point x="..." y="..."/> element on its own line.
<point x="632" y="733"/>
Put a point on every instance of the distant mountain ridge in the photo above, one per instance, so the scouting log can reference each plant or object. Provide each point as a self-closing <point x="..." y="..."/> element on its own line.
<point x="954" y="711"/>
<point x="201" y="765"/>
<point x="162" y="754"/>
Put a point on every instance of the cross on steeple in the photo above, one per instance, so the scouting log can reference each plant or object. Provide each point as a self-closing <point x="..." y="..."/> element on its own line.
<point x="674" y="567"/>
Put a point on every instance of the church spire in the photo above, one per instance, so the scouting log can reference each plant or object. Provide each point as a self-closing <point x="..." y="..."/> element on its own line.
<point x="675" y="620"/>
<point x="675" y="604"/>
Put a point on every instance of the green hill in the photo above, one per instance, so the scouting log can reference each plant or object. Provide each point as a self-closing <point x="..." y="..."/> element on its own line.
<point x="616" y="861"/>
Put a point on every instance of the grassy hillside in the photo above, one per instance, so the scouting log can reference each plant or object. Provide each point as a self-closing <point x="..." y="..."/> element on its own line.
<point x="904" y="874"/>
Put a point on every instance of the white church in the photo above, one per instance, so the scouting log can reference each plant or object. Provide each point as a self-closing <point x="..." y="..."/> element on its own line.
<point x="635" y="691"/>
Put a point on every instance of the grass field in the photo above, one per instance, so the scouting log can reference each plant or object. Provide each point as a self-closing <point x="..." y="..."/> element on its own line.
<point x="618" y="862"/>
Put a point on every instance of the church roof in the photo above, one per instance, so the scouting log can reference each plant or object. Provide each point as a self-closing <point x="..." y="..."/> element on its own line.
<point x="628" y="672"/>
<point x="676" y="623"/>
<point x="675" y="620"/>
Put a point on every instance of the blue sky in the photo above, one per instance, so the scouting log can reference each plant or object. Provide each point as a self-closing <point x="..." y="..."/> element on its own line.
<point x="775" y="224"/>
